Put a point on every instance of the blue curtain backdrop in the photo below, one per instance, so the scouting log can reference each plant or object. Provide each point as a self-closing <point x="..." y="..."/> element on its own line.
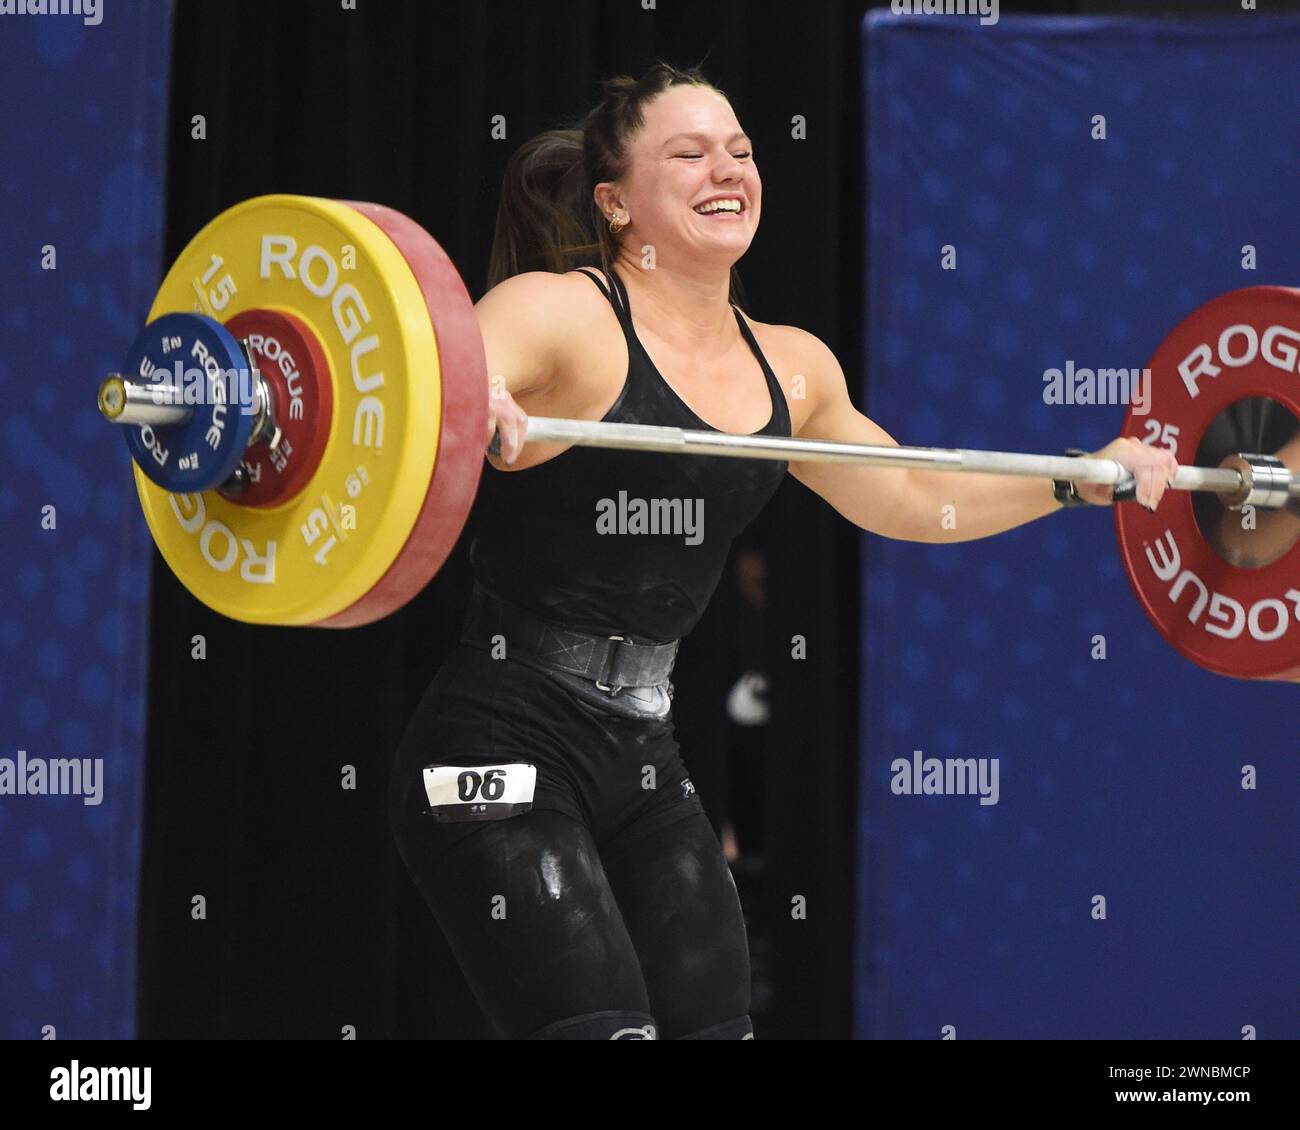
<point x="1118" y="777"/>
<point x="82" y="121"/>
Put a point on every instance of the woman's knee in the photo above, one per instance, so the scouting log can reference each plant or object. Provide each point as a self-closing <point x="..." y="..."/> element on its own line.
<point x="683" y="911"/>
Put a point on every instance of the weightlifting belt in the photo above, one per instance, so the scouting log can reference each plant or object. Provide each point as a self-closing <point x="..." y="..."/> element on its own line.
<point x="612" y="663"/>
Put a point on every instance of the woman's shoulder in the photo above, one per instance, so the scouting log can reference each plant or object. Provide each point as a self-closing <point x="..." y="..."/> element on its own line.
<point x="544" y="285"/>
<point x="795" y="346"/>
<point x="563" y="301"/>
<point x="591" y="282"/>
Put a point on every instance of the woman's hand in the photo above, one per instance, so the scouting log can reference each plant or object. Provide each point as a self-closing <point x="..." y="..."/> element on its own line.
<point x="506" y="416"/>
<point x="1153" y="467"/>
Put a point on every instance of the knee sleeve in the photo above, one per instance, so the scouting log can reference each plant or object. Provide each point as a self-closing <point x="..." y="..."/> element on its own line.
<point x="738" y="1029"/>
<point x="601" y="1026"/>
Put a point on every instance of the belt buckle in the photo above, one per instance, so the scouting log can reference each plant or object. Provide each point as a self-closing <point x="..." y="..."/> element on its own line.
<point x="608" y="667"/>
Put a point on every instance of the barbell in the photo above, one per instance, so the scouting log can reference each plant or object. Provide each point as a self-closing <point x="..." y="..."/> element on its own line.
<point x="306" y="407"/>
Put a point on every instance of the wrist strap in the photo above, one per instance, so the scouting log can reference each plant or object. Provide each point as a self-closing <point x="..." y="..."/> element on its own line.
<point x="1067" y="491"/>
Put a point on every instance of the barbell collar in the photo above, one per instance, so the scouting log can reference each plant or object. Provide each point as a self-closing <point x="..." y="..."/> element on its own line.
<point x="1267" y="484"/>
<point x="266" y="429"/>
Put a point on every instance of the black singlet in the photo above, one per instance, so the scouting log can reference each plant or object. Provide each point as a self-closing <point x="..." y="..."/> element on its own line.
<point x="558" y="539"/>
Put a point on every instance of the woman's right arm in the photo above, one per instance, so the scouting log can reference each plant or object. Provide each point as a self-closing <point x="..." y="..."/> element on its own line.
<point x="522" y="320"/>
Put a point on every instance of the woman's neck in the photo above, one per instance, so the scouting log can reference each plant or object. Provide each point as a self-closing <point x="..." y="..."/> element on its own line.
<point x="689" y="311"/>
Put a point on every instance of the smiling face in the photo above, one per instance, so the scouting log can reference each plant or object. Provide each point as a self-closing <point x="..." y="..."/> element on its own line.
<point x="692" y="189"/>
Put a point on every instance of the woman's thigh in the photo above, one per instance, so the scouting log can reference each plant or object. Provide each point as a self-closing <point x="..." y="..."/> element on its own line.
<point x="527" y="910"/>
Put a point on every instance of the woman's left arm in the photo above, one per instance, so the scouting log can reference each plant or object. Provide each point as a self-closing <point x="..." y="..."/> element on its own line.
<point x="912" y="504"/>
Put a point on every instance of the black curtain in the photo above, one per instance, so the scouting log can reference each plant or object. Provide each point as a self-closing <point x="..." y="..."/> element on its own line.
<point x="311" y="925"/>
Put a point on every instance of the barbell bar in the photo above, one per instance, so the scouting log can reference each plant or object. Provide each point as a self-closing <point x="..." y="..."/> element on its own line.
<point x="130" y="403"/>
<point x="1271" y="485"/>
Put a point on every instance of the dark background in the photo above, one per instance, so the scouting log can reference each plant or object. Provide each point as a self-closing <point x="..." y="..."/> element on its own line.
<point x="312" y="921"/>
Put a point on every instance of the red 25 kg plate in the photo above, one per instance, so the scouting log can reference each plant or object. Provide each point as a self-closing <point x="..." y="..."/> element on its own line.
<point x="1237" y="621"/>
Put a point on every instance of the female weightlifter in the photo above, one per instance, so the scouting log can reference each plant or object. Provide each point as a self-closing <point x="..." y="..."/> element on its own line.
<point x="538" y="797"/>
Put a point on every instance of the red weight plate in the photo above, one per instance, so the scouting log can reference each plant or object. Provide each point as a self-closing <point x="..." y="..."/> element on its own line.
<point x="296" y="370"/>
<point x="462" y="425"/>
<point x="1228" y="619"/>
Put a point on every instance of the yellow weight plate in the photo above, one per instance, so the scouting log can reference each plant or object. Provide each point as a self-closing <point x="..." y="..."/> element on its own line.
<point x="319" y="552"/>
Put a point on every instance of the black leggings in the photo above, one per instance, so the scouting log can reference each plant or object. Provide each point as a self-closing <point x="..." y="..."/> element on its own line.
<point x="655" y="930"/>
<point x="550" y="926"/>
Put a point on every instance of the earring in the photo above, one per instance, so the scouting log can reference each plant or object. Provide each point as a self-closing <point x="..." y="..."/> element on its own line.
<point x="617" y="224"/>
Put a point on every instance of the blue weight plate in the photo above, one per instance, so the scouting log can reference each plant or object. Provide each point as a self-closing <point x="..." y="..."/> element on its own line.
<point x="209" y="373"/>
